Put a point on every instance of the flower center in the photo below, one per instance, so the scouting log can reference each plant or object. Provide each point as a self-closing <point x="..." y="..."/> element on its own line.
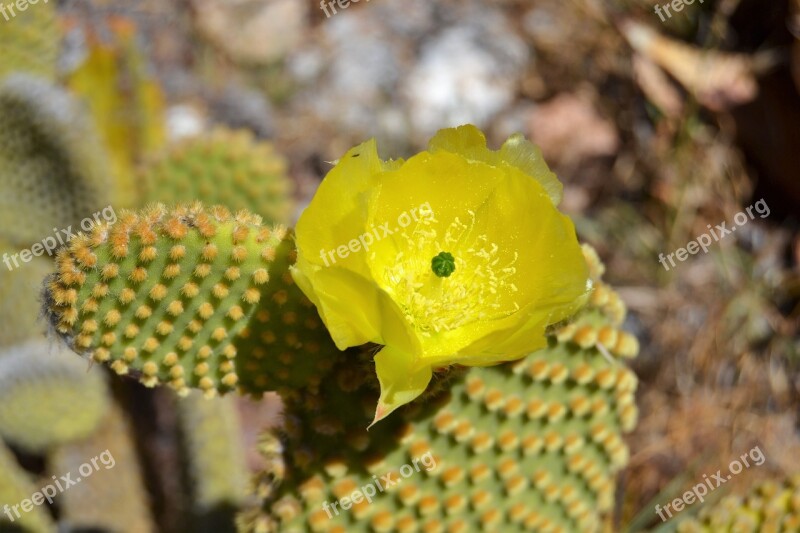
<point x="443" y="265"/>
<point x="466" y="285"/>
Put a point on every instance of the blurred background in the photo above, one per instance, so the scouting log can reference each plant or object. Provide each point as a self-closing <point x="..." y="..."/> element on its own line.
<point x="658" y="128"/>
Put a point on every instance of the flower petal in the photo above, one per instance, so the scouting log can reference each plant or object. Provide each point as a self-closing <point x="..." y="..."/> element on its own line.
<point x="328" y="288"/>
<point x="526" y="156"/>
<point x="516" y="215"/>
<point x="516" y="152"/>
<point x="338" y="210"/>
<point x="400" y="381"/>
<point x="340" y="286"/>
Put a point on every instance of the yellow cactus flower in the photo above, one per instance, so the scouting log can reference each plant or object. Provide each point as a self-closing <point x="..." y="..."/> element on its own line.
<point x="458" y="255"/>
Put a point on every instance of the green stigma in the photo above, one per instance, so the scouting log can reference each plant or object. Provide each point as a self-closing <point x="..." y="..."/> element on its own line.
<point x="443" y="265"/>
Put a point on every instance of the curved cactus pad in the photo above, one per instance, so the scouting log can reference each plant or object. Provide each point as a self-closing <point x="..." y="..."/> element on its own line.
<point x="54" y="173"/>
<point x="47" y="396"/>
<point x="15" y="486"/>
<point x="226" y="167"/>
<point x="170" y="296"/>
<point x="769" y="506"/>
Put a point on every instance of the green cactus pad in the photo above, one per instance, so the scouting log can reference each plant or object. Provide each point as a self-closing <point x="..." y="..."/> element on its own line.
<point x="48" y="396"/>
<point x="30" y="41"/>
<point x="172" y="295"/>
<point x="286" y="346"/>
<point x="215" y="459"/>
<point x="113" y="497"/>
<point x="529" y="445"/>
<point x="52" y="175"/>
<point x="225" y="167"/>
<point x="770" y="506"/>
<point x="20" y="288"/>
<point x="16" y="486"/>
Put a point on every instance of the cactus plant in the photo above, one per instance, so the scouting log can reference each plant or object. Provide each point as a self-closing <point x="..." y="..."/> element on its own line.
<point x="52" y="176"/>
<point x="48" y="396"/>
<point x="224" y="167"/>
<point x="171" y="295"/>
<point x="30" y="42"/>
<point x="769" y="506"/>
<point x="19" y="297"/>
<point x="533" y="444"/>
<point x="113" y="496"/>
<point x="215" y="460"/>
<point x="199" y="298"/>
<point x="16" y="485"/>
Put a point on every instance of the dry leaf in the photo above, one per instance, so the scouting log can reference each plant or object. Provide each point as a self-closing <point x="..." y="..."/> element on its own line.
<point x="718" y="80"/>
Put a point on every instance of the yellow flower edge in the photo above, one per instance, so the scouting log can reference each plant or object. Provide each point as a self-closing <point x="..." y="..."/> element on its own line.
<point x="458" y="255"/>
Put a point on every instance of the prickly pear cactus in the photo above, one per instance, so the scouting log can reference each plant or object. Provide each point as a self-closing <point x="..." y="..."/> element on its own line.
<point x="770" y="506"/>
<point x="113" y="497"/>
<point x="30" y="41"/>
<point x="215" y="460"/>
<point x="52" y="175"/>
<point x="187" y="297"/>
<point x="48" y="396"/>
<point x="15" y="486"/>
<point x="532" y="445"/>
<point x="225" y="167"/>
<point x="20" y="287"/>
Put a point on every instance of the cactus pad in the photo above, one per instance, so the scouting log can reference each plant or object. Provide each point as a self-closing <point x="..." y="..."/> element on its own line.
<point x="19" y="297"/>
<point x="51" y="173"/>
<point x="47" y="397"/>
<point x="16" y="486"/>
<point x="113" y="497"/>
<point x="171" y="295"/>
<point x="770" y="506"/>
<point x="530" y="445"/>
<point x="215" y="460"/>
<point x="30" y="41"/>
<point x="225" y="167"/>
